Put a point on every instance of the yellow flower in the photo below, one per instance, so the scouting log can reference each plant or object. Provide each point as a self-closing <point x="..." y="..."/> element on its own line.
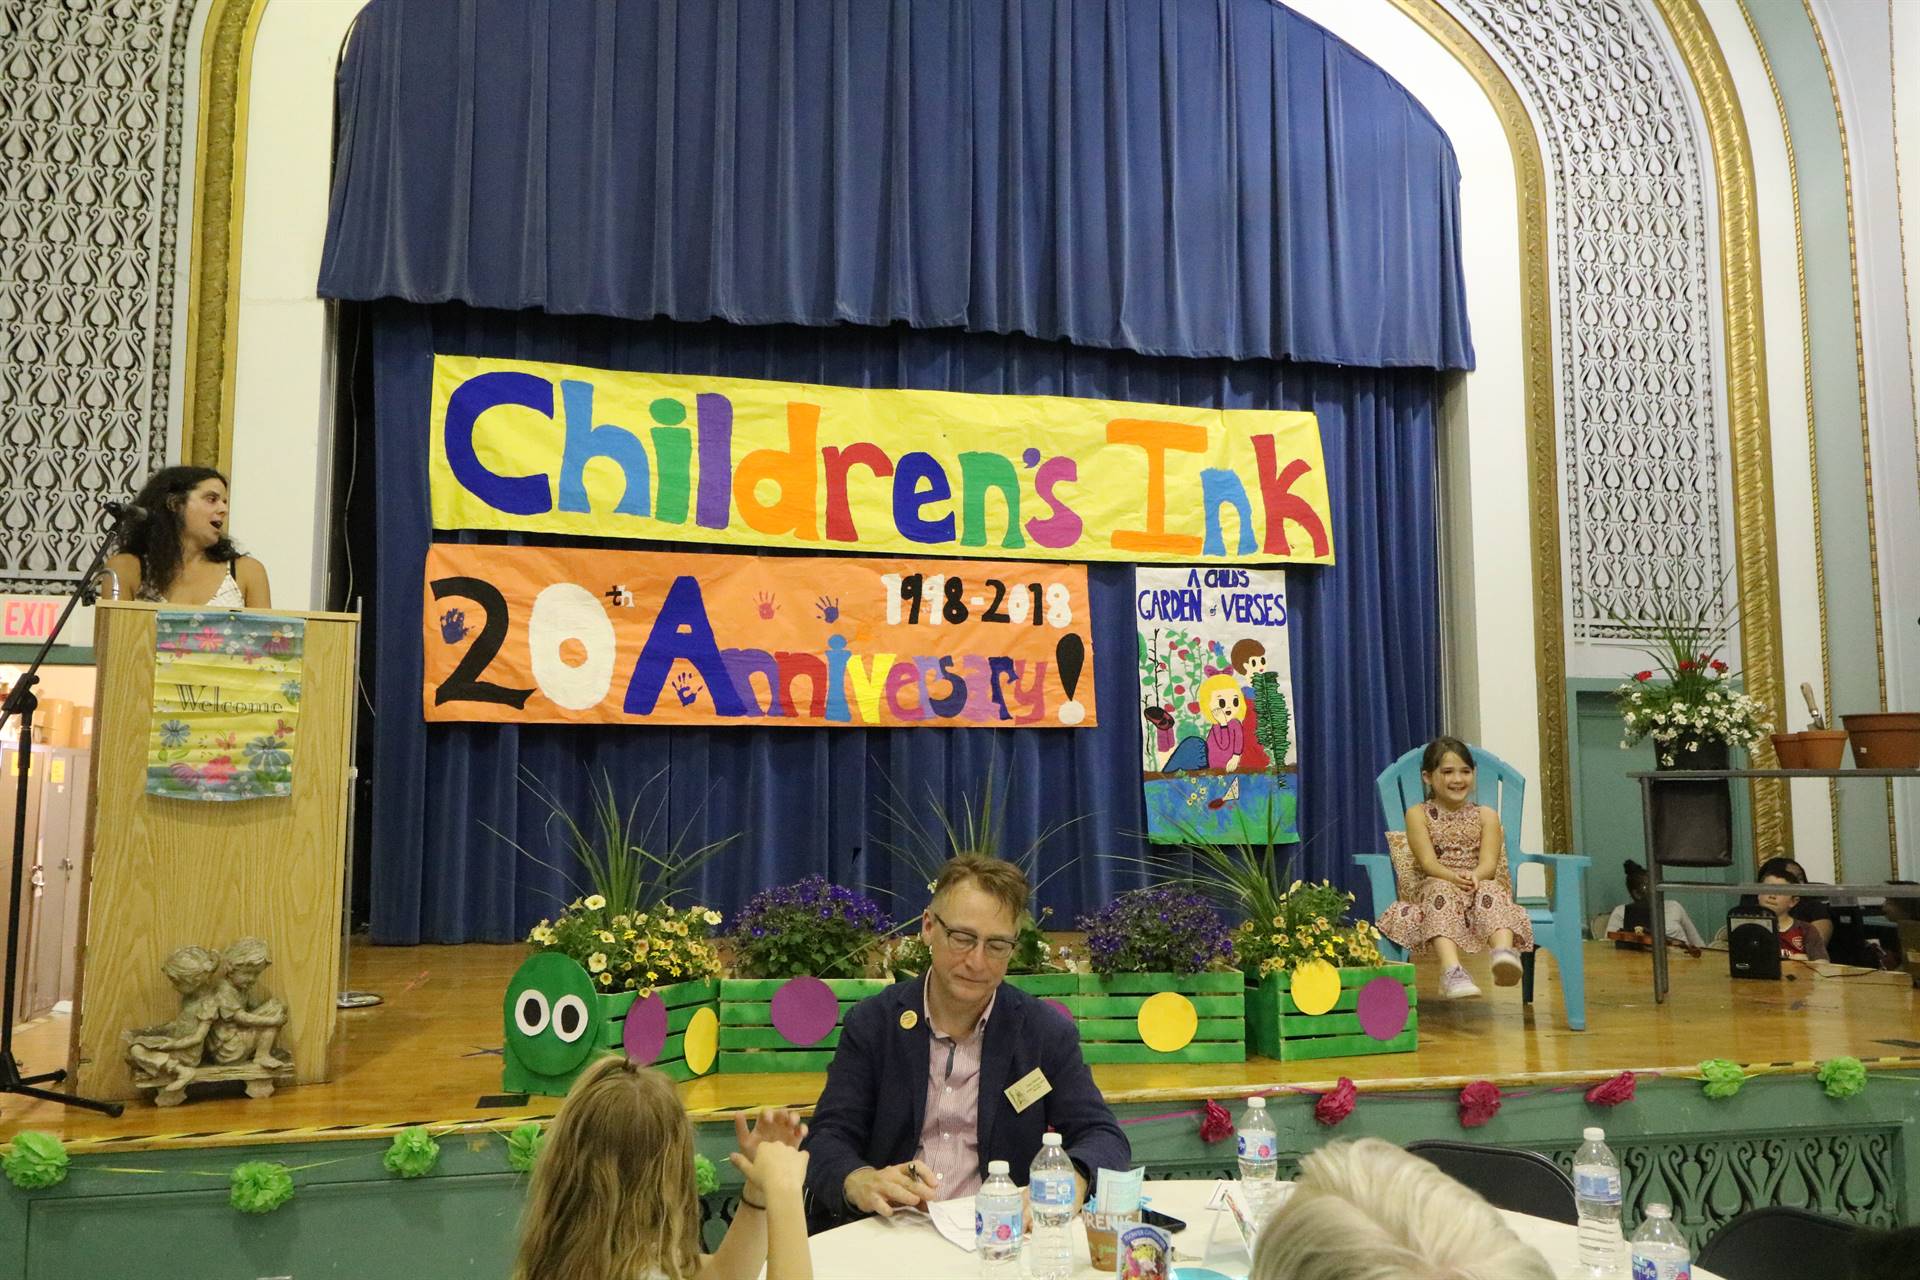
<point x="641" y="918"/>
<point x="597" y="962"/>
<point x="596" y="903"/>
<point x="652" y="976"/>
<point x="621" y="921"/>
<point x="711" y="916"/>
<point x="606" y="936"/>
<point x="631" y="935"/>
<point x="606" y="979"/>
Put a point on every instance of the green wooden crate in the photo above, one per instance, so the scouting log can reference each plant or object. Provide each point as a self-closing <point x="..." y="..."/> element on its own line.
<point x="684" y="1000"/>
<point x="1277" y="1029"/>
<point x="748" y="1042"/>
<point x="1046" y="985"/>
<point x="1105" y="1010"/>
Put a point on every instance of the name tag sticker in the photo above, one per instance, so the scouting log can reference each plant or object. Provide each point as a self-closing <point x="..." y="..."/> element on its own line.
<point x="1029" y="1089"/>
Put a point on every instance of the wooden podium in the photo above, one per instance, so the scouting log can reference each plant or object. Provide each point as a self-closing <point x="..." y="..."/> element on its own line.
<point x="166" y="872"/>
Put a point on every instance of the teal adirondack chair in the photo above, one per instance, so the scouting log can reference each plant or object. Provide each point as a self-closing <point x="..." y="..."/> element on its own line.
<point x="1556" y="923"/>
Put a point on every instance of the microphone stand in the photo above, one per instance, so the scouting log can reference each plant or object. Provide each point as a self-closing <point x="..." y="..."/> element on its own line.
<point x="22" y="702"/>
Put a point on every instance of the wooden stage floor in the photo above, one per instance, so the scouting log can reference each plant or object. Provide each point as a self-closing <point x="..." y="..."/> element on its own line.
<point x="430" y="1054"/>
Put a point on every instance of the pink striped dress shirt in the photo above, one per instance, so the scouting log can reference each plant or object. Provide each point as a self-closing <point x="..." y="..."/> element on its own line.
<point x="950" y="1134"/>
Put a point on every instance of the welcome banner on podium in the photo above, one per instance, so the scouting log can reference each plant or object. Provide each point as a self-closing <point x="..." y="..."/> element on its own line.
<point x="226" y="704"/>
<point x="523" y="635"/>
<point x="553" y="448"/>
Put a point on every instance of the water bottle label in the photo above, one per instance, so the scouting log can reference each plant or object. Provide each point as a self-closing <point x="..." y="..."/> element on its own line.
<point x="1051" y="1190"/>
<point x="1646" y="1268"/>
<point x="996" y="1228"/>
<point x="1597" y="1184"/>
<point x="1259" y="1149"/>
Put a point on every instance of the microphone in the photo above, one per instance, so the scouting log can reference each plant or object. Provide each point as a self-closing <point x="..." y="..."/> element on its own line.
<point x="125" y="511"/>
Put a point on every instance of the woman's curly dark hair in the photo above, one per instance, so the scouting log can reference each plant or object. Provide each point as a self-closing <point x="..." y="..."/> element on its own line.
<point x="155" y="541"/>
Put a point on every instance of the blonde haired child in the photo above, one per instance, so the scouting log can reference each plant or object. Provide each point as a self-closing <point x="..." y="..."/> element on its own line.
<point x="1369" y="1210"/>
<point x="1459" y="904"/>
<point x="613" y="1195"/>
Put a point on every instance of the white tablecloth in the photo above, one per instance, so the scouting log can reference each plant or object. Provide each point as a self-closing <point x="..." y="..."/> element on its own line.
<point x="908" y="1247"/>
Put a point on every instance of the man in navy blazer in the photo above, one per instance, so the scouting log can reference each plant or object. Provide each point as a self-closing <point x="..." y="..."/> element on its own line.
<point x="938" y="1075"/>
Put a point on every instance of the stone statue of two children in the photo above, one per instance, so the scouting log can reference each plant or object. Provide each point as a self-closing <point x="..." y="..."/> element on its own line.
<point x="227" y="1027"/>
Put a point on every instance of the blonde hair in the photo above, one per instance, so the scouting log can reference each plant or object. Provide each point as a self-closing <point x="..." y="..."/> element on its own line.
<point x="613" y="1195"/>
<point x="1367" y="1210"/>
<point x="995" y="877"/>
<point x="1219" y="684"/>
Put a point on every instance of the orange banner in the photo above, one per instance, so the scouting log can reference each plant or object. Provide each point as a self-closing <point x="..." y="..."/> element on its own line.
<point x="525" y="635"/>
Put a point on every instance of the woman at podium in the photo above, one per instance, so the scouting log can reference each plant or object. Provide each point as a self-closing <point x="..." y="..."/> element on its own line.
<point x="174" y="547"/>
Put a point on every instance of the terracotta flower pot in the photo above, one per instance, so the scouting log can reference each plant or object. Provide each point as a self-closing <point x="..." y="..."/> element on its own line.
<point x="1823" y="748"/>
<point x="1791" y="750"/>
<point x="1885" y="739"/>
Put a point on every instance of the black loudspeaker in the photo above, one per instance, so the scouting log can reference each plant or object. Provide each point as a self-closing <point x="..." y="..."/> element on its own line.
<point x="1753" y="944"/>
<point x="1693" y="824"/>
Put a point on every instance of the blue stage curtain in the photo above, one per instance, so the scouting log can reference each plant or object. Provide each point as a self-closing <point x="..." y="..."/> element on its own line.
<point x="1194" y="178"/>
<point x="1365" y="662"/>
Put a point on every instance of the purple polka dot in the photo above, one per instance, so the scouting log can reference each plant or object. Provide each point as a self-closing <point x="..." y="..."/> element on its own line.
<point x="805" y="1010"/>
<point x="1059" y="1008"/>
<point x="645" y="1033"/>
<point x="1383" y="1008"/>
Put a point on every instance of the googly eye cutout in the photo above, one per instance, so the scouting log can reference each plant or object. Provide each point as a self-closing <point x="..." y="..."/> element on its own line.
<point x="530" y="1013"/>
<point x="569" y="1018"/>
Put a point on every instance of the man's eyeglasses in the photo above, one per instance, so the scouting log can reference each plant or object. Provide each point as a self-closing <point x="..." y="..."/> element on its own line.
<point x="961" y="941"/>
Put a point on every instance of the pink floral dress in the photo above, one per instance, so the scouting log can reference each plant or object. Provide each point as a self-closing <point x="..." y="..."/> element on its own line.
<point x="1440" y="909"/>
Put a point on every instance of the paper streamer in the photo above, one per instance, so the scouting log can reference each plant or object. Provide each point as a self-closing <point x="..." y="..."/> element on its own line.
<point x="1382" y="1007"/>
<point x="805" y="1010"/>
<point x="645" y="1033"/>
<point x="1167" y="1022"/>
<point x="1316" y="987"/>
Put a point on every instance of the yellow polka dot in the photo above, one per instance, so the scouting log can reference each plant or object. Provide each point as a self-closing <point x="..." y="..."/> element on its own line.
<point x="1316" y="987"/>
<point x="1167" y="1022"/>
<point x="702" y="1041"/>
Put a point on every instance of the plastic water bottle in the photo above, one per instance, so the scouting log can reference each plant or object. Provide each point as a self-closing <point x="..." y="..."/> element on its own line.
<point x="1259" y="1155"/>
<point x="1050" y="1186"/>
<point x="1659" y="1250"/>
<point x="1596" y="1190"/>
<point x="996" y="1224"/>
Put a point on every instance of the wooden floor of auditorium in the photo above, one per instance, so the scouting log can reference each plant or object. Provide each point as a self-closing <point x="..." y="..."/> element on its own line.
<point x="430" y="1054"/>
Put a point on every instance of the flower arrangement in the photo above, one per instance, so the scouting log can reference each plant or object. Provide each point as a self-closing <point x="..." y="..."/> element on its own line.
<point x="1308" y="923"/>
<point x="633" y="950"/>
<point x="809" y="929"/>
<point x="1687" y="699"/>
<point x="1162" y="929"/>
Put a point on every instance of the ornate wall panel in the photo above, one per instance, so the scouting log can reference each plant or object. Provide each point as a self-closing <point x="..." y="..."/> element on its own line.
<point x="91" y="104"/>
<point x="1643" y="495"/>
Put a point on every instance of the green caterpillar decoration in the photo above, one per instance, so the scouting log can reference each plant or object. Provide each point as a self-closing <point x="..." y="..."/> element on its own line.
<point x="552" y="1026"/>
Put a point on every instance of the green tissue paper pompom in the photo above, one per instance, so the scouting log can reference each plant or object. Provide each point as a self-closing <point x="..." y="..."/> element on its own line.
<point x="37" y="1160"/>
<point x="412" y="1154"/>
<point x="1842" y="1077"/>
<point x="523" y="1146"/>
<point x="706" y="1179"/>
<point x="260" y="1186"/>
<point x="1723" y="1078"/>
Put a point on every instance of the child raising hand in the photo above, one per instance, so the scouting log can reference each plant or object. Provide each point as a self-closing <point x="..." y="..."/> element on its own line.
<point x="613" y="1195"/>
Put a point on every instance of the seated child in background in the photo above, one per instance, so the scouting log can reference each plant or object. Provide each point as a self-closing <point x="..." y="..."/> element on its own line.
<point x="1635" y="914"/>
<point x="1458" y="904"/>
<point x="613" y="1189"/>
<point x="1798" y="939"/>
<point x="1369" y="1209"/>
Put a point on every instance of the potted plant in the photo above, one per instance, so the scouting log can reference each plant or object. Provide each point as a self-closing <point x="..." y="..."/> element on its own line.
<point x="804" y="953"/>
<point x="1038" y="966"/>
<point x="620" y="968"/>
<point x="1161" y="989"/>
<point x="1688" y="702"/>
<point x="1309" y="969"/>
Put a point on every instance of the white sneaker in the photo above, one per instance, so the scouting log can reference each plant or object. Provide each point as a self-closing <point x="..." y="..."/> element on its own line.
<point x="1506" y="966"/>
<point x="1456" y="985"/>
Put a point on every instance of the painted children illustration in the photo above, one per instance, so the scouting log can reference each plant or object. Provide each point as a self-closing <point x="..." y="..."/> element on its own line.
<point x="1225" y="742"/>
<point x="1249" y="658"/>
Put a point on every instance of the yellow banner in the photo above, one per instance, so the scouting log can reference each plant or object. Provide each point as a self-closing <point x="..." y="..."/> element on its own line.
<point x="552" y="448"/>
